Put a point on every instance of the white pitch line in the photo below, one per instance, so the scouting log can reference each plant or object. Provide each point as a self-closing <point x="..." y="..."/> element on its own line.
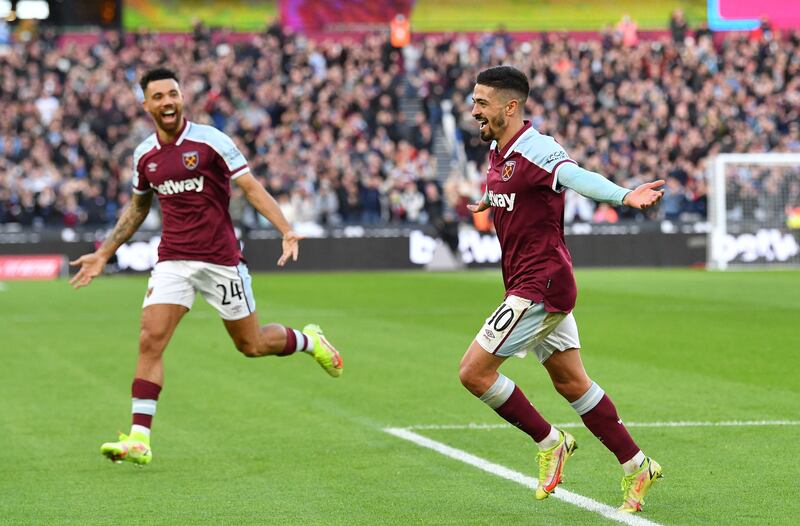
<point x="727" y="423"/>
<point x="515" y="476"/>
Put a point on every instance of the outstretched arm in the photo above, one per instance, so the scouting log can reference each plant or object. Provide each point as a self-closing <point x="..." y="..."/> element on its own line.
<point x="266" y="205"/>
<point x="597" y="187"/>
<point x="91" y="265"/>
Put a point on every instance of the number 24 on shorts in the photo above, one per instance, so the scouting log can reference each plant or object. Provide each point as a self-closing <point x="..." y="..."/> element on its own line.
<point x="234" y="290"/>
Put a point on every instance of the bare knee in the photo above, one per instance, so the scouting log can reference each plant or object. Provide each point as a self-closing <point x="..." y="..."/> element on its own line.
<point x="567" y="374"/>
<point x="247" y="348"/>
<point x="473" y="379"/>
<point x="572" y="388"/>
<point x="152" y="341"/>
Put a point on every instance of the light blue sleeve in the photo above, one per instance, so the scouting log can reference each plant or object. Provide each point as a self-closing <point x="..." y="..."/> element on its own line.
<point x="229" y="152"/>
<point x="590" y="184"/>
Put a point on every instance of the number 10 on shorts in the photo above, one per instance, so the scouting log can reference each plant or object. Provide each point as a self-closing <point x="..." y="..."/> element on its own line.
<point x="499" y="325"/>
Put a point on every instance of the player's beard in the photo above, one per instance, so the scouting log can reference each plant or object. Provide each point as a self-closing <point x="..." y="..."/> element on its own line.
<point x="171" y="125"/>
<point x="494" y="128"/>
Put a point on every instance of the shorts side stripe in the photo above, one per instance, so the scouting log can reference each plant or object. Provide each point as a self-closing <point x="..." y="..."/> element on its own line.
<point x="499" y="345"/>
<point x="244" y="290"/>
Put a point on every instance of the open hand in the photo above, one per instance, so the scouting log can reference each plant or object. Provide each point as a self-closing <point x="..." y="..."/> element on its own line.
<point x="478" y="206"/>
<point x="645" y="196"/>
<point x="91" y="266"/>
<point x="291" y="247"/>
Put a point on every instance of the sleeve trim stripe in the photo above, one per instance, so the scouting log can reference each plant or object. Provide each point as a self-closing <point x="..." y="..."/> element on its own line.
<point x="141" y="192"/>
<point x="555" y="172"/>
<point x="242" y="171"/>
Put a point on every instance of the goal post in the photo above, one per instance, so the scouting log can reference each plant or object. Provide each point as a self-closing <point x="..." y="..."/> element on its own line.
<point x="754" y="210"/>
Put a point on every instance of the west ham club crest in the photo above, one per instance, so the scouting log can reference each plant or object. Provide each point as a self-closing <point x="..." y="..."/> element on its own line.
<point x="508" y="170"/>
<point x="190" y="160"/>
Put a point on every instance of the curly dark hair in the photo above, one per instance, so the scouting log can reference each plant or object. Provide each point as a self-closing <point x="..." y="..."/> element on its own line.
<point x="157" y="74"/>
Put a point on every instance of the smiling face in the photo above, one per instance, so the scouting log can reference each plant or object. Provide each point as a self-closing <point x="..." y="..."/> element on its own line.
<point x="491" y="108"/>
<point x="163" y="100"/>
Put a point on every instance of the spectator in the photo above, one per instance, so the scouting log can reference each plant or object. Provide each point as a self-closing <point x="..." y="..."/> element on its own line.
<point x="577" y="207"/>
<point x="678" y="27"/>
<point x="412" y="202"/>
<point x="327" y="204"/>
<point x="672" y="204"/>
<point x="371" y="198"/>
<point x="763" y="31"/>
<point x="697" y="196"/>
<point x="434" y="204"/>
<point x="351" y="205"/>
<point x="627" y="31"/>
<point x="605" y="213"/>
<point x="5" y="35"/>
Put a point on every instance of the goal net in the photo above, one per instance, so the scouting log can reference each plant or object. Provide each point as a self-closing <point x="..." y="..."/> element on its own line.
<point x="754" y="210"/>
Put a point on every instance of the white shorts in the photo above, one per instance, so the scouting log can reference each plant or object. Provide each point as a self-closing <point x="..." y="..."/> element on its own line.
<point x="519" y="326"/>
<point x="227" y="289"/>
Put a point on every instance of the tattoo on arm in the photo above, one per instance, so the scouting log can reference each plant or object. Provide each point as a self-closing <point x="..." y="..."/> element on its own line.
<point x="129" y="222"/>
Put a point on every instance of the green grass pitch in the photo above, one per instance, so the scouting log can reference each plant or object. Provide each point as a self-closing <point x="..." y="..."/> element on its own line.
<point x="276" y="441"/>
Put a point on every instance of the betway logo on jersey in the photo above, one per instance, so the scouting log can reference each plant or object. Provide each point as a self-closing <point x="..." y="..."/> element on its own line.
<point x="195" y="184"/>
<point x="502" y="200"/>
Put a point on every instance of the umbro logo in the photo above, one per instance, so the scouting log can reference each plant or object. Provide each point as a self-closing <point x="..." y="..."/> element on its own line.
<point x="151" y="167"/>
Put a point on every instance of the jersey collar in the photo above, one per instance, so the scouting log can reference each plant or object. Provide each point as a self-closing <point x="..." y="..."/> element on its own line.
<point x="181" y="136"/>
<point x="508" y="148"/>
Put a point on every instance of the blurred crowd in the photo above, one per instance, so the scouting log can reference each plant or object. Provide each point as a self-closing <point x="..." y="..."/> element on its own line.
<point x="636" y="110"/>
<point x="322" y="126"/>
<point x="319" y="123"/>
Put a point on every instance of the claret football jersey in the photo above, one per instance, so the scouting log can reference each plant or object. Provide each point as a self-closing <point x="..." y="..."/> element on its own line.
<point x="191" y="177"/>
<point x="528" y="207"/>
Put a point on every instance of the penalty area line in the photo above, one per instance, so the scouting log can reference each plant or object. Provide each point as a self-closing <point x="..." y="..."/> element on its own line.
<point x="515" y="476"/>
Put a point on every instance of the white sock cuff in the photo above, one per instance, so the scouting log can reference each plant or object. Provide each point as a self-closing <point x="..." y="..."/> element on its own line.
<point x="552" y="438"/>
<point x="499" y="392"/>
<point x="635" y="463"/>
<point x="589" y="400"/>
<point x="301" y="340"/>
<point x="140" y="429"/>
<point x="143" y="407"/>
